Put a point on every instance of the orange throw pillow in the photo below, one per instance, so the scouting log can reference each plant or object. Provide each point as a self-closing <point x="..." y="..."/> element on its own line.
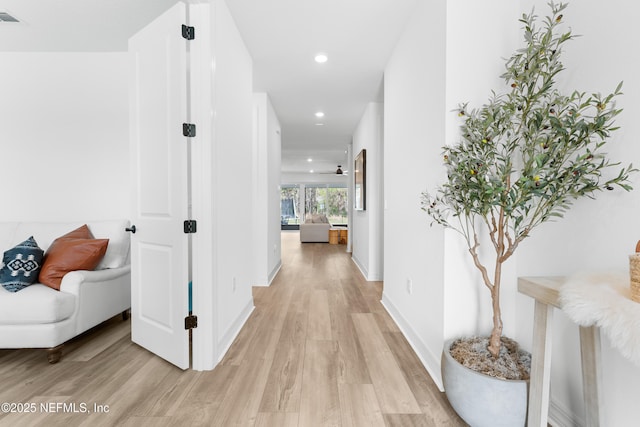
<point x="81" y="232"/>
<point x="76" y="250"/>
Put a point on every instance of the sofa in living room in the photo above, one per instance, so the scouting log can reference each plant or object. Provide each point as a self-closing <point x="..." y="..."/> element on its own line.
<point x="61" y="279"/>
<point x="315" y="228"/>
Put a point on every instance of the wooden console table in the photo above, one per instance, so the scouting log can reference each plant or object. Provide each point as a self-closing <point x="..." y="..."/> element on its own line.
<point x="545" y="291"/>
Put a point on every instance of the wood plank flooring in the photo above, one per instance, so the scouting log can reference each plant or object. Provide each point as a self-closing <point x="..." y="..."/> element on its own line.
<point x="318" y="350"/>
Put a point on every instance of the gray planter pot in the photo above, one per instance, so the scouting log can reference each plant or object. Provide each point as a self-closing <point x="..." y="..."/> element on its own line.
<point x="481" y="400"/>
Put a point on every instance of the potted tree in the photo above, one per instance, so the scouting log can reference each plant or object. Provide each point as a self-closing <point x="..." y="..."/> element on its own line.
<point x="523" y="158"/>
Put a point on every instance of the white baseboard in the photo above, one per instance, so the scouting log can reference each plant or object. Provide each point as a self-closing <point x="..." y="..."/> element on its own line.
<point x="266" y="282"/>
<point x="374" y="277"/>
<point x="428" y="359"/>
<point x="274" y="272"/>
<point x="225" y="342"/>
<point x="358" y="264"/>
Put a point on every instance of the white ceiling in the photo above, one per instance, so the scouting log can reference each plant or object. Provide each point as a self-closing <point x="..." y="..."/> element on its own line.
<point x="76" y="25"/>
<point x="282" y="36"/>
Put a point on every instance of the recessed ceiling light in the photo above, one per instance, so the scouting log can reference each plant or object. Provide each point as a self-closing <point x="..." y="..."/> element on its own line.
<point x="309" y="159"/>
<point x="319" y="114"/>
<point x="321" y="58"/>
<point x="311" y="171"/>
<point x="319" y="124"/>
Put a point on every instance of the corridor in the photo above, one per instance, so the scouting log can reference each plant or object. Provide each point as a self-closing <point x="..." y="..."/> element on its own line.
<point x="318" y="350"/>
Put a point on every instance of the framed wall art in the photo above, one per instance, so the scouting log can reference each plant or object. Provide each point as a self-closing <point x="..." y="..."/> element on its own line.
<point x="360" y="177"/>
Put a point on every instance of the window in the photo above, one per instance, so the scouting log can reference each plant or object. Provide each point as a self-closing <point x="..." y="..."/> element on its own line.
<point x="289" y="205"/>
<point x="337" y="205"/>
<point x="328" y="200"/>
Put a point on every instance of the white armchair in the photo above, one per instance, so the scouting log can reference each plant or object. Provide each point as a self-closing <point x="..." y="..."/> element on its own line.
<point x="315" y="229"/>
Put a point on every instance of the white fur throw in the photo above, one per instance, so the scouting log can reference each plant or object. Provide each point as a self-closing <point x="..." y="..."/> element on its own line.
<point x="604" y="300"/>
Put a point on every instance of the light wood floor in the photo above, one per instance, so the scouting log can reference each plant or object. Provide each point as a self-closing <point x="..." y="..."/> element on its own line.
<point x="318" y="350"/>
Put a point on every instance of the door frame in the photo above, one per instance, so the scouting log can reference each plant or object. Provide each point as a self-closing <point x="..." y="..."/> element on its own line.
<point x="204" y="259"/>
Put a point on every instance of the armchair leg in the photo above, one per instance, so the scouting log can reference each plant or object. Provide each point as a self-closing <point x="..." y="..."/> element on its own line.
<point x="54" y="354"/>
<point x="125" y="315"/>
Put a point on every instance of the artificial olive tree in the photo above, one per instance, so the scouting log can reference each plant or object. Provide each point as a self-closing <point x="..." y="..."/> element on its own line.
<point x="526" y="155"/>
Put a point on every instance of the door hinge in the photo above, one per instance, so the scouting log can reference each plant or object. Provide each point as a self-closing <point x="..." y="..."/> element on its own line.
<point x="188" y="32"/>
<point x="191" y="322"/>
<point x="190" y="226"/>
<point x="189" y="129"/>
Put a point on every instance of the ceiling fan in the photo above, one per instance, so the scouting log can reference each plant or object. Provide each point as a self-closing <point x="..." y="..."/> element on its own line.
<point x="338" y="171"/>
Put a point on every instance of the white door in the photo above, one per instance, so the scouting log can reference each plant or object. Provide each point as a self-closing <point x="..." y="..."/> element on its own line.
<point x="159" y="247"/>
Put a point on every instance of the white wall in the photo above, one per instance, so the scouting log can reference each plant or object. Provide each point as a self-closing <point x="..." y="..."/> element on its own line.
<point x="64" y="136"/>
<point x="233" y="99"/>
<point x="479" y="36"/>
<point x="274" y="162"/>
<point x="414" y="132"/>
<point x="367" y="226"/>
<point x="596" y="235"/>
<point x="266" y="189"/>
<point x="223" y="163"/>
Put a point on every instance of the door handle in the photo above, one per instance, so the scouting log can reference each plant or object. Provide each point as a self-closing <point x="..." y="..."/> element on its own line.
<point x="132" y="229"/>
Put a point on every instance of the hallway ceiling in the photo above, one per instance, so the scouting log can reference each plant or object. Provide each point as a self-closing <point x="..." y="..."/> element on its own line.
<point x="282" y="36"/>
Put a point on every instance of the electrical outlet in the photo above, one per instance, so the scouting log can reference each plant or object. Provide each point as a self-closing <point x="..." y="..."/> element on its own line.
<point x="409" y="286"/>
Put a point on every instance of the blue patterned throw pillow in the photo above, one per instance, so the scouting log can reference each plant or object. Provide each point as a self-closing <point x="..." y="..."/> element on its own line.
<point x="20" y="265"/>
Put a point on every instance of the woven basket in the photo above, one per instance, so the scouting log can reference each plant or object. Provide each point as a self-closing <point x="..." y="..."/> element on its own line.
<point x="634" y="273"/>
